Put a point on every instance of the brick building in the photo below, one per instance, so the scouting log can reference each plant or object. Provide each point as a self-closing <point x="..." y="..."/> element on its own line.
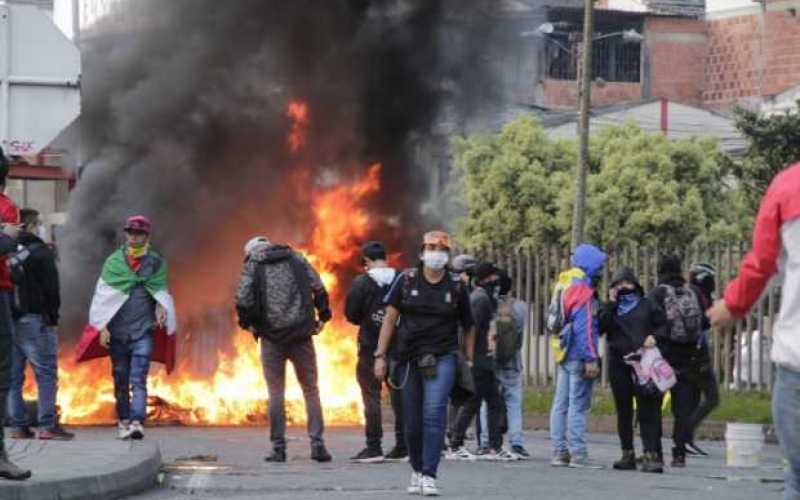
<point x="741" y="52"/>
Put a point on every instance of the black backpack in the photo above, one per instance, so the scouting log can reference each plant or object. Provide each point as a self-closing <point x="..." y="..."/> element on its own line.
<point x="284" y="301"/>
<point x="19" y="276"/>
<point x="508" y="335"/>
<point x="684" y="315"/>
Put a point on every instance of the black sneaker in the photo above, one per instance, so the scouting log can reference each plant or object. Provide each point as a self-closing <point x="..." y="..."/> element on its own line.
<point x="320" y="454"/>
<point x="693" y="449"/>
<point x="521" y="452"/>
<point x="368" y="456"/>
<point x="278" y="456"/>
<point x="397" y="455"/>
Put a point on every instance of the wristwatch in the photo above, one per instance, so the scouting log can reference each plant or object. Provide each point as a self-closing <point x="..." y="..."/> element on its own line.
<point x="379" y="355"/>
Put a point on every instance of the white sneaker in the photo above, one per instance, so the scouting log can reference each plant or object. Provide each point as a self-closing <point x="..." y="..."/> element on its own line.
<point x="123" y="430"/>
<point x="137" y="430"/>
<point x="415" y="487"/>
<point x="506" y="456"/>
<point x="461" y="453"/>
<point x="429" y="488"/>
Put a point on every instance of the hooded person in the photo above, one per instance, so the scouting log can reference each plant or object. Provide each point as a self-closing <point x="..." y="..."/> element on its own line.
<point x="573" y="316"/>
<point x="281" y="299"/>
<point x="630" y="322"/>
<point x="364" y="307"/>
<point x="683" y="308"/>
<point x="132" y="318"/>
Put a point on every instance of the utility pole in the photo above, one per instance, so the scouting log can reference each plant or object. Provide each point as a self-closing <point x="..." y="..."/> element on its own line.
<point x="585" y="100"/>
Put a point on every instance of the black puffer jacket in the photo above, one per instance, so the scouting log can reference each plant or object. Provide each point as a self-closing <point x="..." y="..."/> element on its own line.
<point x="38" y="290"/>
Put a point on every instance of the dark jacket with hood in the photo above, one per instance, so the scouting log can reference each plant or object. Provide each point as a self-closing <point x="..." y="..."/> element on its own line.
<point x="631" y="318"/>
<point x="38" y="290"/>
<point x="296" y="295"/>
<point x="679" y="356"/>
<point x="364" y="306"/>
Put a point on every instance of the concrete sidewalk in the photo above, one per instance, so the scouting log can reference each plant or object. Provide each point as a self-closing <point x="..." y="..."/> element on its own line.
<point x="93" y="466"/>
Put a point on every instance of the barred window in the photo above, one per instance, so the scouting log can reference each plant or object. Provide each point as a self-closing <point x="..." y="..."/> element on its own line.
<point x="613" y="59"/>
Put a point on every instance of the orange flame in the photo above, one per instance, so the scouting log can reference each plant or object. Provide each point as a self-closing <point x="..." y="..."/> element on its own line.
<point x="236" y="392"/>
<point x="298" y="114"/>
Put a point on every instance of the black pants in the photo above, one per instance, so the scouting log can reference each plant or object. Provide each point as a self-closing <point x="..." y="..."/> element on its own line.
<point x="648" y="408"/>
<point x="371" y="394"/>
<point x="705" y="397"/>
<point x="486" y="389"/>
<point x="694" y="397"/>
<point x="6" y="342"/>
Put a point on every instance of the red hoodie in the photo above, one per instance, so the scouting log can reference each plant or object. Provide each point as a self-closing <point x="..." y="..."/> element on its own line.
<point x="9" y="214"/>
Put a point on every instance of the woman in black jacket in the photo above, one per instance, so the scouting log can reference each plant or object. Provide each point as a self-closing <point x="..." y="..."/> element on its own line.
<point x="632" y="322"/>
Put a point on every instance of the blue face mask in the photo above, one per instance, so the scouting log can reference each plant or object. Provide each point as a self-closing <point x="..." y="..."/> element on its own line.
<point x="627" y="300"/>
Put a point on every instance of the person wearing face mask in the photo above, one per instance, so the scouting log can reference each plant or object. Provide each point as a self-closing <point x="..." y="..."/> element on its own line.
<point x="483" y="301"/>
<point x="35" y="312"/>
<point x="426" y="306"/>
<point x="132" y="318"/>
<point x="364" y="307"/>
<point x="630" y="321"/>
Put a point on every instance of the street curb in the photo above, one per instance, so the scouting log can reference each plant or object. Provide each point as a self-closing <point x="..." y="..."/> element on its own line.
<point x="117" y="483"/>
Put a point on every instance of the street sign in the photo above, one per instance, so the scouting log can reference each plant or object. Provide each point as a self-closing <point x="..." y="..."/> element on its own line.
<point x="40" y="73"/>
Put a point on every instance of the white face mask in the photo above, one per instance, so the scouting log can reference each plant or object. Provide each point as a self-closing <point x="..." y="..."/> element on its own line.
<point x="435" y="259"/>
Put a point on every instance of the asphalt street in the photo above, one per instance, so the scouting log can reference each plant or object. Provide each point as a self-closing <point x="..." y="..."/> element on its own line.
<point x="214" y="463"/>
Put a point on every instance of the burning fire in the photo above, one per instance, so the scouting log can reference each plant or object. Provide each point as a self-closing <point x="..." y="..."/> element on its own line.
<point x="236" y="392"/>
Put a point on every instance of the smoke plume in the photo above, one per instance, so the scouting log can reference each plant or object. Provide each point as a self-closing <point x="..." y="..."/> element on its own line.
<point x="185" y="121"/>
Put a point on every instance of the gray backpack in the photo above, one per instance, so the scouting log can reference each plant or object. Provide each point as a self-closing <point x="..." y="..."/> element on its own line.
<point x="684" y="315"/>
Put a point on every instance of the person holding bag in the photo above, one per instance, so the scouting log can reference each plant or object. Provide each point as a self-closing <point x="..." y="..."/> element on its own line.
<point x="630" y="322"/>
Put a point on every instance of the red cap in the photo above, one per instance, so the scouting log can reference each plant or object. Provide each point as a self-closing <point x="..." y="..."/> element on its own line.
<point x="138" y="223"/>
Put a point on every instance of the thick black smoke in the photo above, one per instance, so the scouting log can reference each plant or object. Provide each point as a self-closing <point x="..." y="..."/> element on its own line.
<point x="184" y="121"/>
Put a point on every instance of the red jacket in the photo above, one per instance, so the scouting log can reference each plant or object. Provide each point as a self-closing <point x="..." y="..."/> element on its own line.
<point x="9" y="214"/>
<point x="776" y="247"/>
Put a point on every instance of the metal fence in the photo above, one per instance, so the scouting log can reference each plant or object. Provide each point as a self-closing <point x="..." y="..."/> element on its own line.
<point x="740" y="355"/>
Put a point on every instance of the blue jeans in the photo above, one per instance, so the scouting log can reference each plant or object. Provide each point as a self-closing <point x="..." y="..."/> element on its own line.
<point x="36" y="343"/>
<point x="786" y="410"/>
<point x="425" y="412"/>
<point x="511" y="381"/>
<point x="571" y="403"/>
<point x="130" y="362"/>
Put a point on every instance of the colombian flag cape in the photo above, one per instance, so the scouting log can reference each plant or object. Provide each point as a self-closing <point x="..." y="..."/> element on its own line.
<point x="112" y="291"/>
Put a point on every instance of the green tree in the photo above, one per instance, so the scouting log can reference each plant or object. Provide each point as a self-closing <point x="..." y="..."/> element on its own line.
<point x="774" y="144"/>
<point x="643" y="188"/>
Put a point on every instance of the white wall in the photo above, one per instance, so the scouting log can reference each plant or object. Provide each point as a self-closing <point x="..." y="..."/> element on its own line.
<point x="634" y="5"/>
<point x="722" y="5"/>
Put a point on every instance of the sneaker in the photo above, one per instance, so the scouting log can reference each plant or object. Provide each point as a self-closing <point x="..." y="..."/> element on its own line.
<point x="10" y="471"/>
<point x="461" y="453"/>
<point x="56" y="434"/>
<point x="415" y="487"/>
<point x="23" y="433"/>
<point x="520" y="452"/>
<point x="396" y="455"/>
<point x="429" y="488"/>
<point x="320" y="454"/>
<point x="137" y="430"/>
<point x="693" y="449"/>
<point x="583" y="463"/>
<point x="505" y="456"/>
<point x="368" y="456"/>
<point x="278" y="456"/>
<point x="560" y="460"/>
<point x="483" y="450"/>
<point x="123" y="430"/>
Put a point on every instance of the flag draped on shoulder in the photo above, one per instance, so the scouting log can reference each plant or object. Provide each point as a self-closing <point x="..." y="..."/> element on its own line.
<point x="112" y="291"/>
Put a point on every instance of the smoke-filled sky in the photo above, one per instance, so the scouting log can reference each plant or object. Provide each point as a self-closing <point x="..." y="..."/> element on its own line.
<point x="184" y="120"/>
